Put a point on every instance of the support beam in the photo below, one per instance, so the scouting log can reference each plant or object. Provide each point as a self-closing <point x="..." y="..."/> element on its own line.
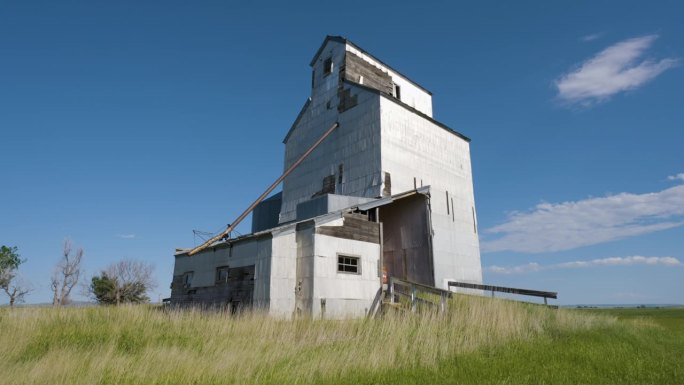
<point x="242" y="216"/>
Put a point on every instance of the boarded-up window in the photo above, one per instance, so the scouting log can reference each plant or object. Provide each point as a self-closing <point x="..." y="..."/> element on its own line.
<point x="222" y="274"/>
<point x="348" y="264"/>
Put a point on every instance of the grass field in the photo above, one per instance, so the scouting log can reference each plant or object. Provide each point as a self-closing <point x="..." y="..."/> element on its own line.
<point x="481" y="341"/>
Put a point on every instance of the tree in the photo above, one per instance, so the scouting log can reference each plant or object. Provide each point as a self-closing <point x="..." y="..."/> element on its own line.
<point x="67" y="274"/>
<point x="15" y="289"/>
<point x="9" y="262"/>
<point x="123" y="282"/>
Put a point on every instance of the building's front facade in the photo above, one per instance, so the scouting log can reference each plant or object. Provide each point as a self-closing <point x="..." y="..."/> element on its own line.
<point x="387" y="145"/>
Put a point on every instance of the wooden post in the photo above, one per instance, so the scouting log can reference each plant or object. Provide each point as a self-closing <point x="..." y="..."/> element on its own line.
<point x="391" y="290"/>
<point x="442" y="305"/>
<point x="545" y="303"/>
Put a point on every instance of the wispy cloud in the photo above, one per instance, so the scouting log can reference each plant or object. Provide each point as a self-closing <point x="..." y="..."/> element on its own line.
<point x="615" y="69"/>
<point x="591" y="37"/>
<point x="679" y="177"/>
<point x="552" y="227"/>
<point x="125" y="236"/>
<point x="613" y="261"/>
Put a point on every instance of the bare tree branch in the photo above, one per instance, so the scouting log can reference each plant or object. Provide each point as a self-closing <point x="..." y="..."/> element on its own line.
<point x="67" y="274"/>
<point x="16" y="290"/>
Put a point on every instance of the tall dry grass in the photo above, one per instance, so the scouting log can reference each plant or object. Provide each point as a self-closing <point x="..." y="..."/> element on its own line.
<point x="139" y="344"/>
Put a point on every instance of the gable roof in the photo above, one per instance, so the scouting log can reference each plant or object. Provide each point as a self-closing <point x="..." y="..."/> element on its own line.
<point x="299" y="116"/>
<point x="344" y="40"/>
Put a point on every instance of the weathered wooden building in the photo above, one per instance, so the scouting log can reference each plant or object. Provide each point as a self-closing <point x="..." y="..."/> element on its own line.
<point x="389" y="191"/>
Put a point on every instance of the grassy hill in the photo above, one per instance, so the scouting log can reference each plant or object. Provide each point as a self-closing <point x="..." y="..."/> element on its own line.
<point x="480" y="341"/>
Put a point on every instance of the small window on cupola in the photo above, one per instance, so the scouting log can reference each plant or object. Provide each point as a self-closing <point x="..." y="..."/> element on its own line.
<point x="327" y="66"/>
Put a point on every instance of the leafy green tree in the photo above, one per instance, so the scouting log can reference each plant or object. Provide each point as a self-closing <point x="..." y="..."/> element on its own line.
<point x="122" y="282"/>
<point x="9" y="263"/>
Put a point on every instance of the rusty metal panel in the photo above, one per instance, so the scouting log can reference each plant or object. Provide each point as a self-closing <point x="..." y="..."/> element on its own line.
<point x="407" y="251"/>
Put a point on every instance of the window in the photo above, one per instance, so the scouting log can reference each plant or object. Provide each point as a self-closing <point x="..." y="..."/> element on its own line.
<point x="397" y="91"/>
<point x="222" y="274"/>
<point x="327" y="66"/>
<point x="348" y="264"/>
<point x="340" y="170"/>
<point x="187" y="279"/>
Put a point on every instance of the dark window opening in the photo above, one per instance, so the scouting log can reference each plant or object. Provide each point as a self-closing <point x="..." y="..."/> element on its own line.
<point x="447" y="197"/>
<point x="340" y="170"/>
<point x="222" y="274"/>
<point x="187" y="279"/>
<point x="397" y="91"/>
<point x="387" y="189"/>
<point x="327" y="66"/>
<point x="348" y="264"/>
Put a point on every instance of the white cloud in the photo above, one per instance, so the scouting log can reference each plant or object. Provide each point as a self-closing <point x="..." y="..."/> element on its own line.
<point x="563" y="226"/>
<point x="676" y="177"/>
<point x="591" y="37"/>
<point x="615" y="69"/>
<point x="613" y="261"/>
<point x="126" y="236"/>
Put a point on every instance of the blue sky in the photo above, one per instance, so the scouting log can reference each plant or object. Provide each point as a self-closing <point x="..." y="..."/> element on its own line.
<point x="126" y="125"/>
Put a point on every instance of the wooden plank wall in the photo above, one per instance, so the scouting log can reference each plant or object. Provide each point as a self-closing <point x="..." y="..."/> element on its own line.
<point x="356" y="227"/>
<point x="239" y="287"/>
<point x="355" y="67"/>
<point x="406" y="244"/>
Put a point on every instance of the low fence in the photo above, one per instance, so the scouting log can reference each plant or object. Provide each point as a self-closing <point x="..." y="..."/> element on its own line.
<point x="501" y="289"/>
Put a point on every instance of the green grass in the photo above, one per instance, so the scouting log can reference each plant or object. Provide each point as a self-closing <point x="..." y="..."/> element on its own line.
<point x="481" y="341"/>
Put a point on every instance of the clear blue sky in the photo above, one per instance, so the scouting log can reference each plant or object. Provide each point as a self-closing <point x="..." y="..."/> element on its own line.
<point x="125" y="125"/>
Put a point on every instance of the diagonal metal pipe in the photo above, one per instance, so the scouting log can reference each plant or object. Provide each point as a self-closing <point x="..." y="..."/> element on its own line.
<point x="242" y="216"/>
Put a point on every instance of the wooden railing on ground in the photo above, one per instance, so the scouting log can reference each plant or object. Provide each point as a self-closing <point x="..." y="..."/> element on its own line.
<point x="501" y="289"/>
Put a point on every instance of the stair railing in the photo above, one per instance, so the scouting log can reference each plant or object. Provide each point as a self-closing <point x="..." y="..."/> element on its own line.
<point x="411" y="291"/>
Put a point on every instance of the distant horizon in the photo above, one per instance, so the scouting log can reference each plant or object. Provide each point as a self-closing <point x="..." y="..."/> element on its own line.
<point x="127" y="125"/>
